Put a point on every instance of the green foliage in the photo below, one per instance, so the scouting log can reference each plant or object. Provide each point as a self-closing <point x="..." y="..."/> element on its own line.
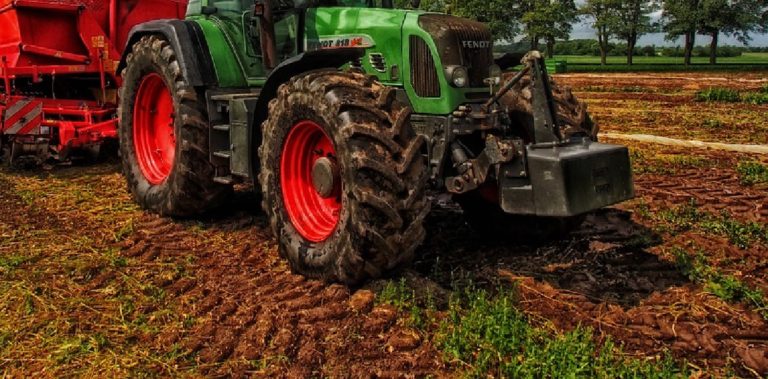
<point x="396" y="294"/>
<point x="719" y="94"/>
<point x="711" y="123"/>
<point x="756" y="98"/>
<point x="689" y="217"/>
<point x="12" y="261"/>
<point x="491" y="338"/>
<point x="732" y="96"/>
<point x="752" y="172"/>
<point x="704" y="51"/>
<point x="726" y="287"/>
<point x="739" y="233"/>
<point x="550" y="20"/>
<point x="402" y="297"/>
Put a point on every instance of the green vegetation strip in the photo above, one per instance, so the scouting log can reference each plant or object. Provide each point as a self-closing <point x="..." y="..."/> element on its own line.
<point x="487" y="336"/>
<point x="752" y="172"/>
<point x="728" y="95"/>
<point x="689" y="217"/>
<point x="726" y="287"/>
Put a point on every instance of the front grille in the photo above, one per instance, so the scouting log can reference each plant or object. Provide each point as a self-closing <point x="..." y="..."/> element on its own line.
<point x="461" y="42"/>
<point x="423" y="71"/>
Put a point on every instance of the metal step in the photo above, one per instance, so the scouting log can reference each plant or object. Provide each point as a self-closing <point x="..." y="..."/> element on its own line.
<point x="226" y="154"/>
<point x="224" y="179"/>
<point x="221" y="128"/>
<point x="244" y="95"/>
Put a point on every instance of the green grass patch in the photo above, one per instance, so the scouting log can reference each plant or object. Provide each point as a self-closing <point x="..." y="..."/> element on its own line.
<point x="719" y="94"/>
<point x="13" y="261"/>
<point x="746" y="62"/>
<point x="689" y="217"/>
<point x="489" y="337"/>
<point x="752" y="172"/>
<point x="401" y="296"/>
<point x="726" y="287"/>
<point x="728" y="95"/>
<point x="744" y="59"/>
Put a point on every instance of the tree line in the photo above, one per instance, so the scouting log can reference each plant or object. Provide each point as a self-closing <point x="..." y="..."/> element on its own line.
<point x="549" y="21"/>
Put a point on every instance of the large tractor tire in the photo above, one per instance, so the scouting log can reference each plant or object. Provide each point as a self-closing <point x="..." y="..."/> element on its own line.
<point x="164" y="135"/>
<point x="343" y="177"/>
<point x="571" y="112"/>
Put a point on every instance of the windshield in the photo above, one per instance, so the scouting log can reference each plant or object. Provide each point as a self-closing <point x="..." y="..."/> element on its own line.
<point x="347" y="3"/>
<point x="239" y="6"/>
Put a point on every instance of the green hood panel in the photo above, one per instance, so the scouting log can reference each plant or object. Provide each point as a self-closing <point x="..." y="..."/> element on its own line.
<point x="380" y="28"/>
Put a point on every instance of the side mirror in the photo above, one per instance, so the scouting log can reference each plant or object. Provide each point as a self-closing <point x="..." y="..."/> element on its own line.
<point x="258" y="9"/>
<point x="415" y="4"/>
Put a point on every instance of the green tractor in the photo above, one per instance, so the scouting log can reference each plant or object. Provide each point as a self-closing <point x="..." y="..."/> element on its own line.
<point x="345" y="114"/>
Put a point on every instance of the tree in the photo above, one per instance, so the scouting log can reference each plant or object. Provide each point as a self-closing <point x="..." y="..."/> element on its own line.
<point x="604" y="14"/>
<point x="632" y="21"/>
<point x="681" y="18"/>
<point x="427" y="5"/>
<point x="737" y="18"/>
<point x="501" y="18"/>
<point x="547" y="19"/>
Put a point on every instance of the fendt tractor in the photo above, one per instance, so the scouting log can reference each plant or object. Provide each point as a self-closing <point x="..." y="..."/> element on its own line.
<point x="349" y="116"/>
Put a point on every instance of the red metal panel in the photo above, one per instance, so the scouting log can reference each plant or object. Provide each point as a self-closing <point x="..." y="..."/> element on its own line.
<point x="44" y="38"/>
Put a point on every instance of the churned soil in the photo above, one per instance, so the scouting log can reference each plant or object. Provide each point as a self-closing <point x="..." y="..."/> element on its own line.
<point x="211" y="296"/>
<point x="665" y="105"/>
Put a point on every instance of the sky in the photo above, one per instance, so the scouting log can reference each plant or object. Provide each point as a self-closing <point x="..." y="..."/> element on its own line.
<point x="583" y="30"/>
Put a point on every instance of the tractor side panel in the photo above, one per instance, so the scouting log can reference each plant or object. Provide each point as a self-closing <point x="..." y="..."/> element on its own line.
<point x="376" y="30"/>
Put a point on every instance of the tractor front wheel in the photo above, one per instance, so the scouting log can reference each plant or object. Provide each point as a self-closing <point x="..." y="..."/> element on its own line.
<point x="343" y="177"/>
<point x="164" y="135"/>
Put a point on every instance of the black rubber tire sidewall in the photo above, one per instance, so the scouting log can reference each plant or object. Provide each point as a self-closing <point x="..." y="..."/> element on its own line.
<point x="361" y="247"/>
<point x="189" y="189"/>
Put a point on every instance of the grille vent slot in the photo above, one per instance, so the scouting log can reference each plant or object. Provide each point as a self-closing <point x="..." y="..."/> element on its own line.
<point x="423" y="72"/>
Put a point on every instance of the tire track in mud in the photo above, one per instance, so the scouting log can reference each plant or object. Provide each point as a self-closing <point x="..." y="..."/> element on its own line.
<point x="713" y="190"/>
<point x="253" y="316"/>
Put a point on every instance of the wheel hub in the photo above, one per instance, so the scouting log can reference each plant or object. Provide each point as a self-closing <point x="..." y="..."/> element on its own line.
<point x="325" y="175"/>
<point x="310" y="182"/>
<point x="153" y="129"/>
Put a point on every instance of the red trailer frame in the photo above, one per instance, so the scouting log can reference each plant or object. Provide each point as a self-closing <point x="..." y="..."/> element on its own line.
<point x="42" y="41"/>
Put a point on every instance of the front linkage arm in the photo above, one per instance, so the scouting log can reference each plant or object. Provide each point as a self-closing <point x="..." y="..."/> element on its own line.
<point x="474" y="172"/>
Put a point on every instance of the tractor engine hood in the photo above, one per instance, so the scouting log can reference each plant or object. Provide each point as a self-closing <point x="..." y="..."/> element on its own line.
<point x="461" y="42"/>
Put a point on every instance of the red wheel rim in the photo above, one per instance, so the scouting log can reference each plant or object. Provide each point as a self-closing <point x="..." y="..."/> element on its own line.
<point x="153" y="130"/>
<point x="315" y="217"/>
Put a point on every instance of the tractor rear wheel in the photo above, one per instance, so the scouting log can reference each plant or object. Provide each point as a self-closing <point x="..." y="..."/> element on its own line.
<point x="343" y="177"/>
<point x="164" y="135"/>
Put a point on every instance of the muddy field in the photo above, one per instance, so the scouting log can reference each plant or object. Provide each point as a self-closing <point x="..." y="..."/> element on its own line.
<point x="91" y="285"/>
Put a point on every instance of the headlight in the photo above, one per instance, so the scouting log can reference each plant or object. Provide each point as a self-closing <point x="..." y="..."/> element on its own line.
<point x="459" y="76"/>
<point x="494" y="73"/>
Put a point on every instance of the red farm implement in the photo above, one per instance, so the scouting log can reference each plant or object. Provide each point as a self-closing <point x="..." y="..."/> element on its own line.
<point x="58" y="87"/>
